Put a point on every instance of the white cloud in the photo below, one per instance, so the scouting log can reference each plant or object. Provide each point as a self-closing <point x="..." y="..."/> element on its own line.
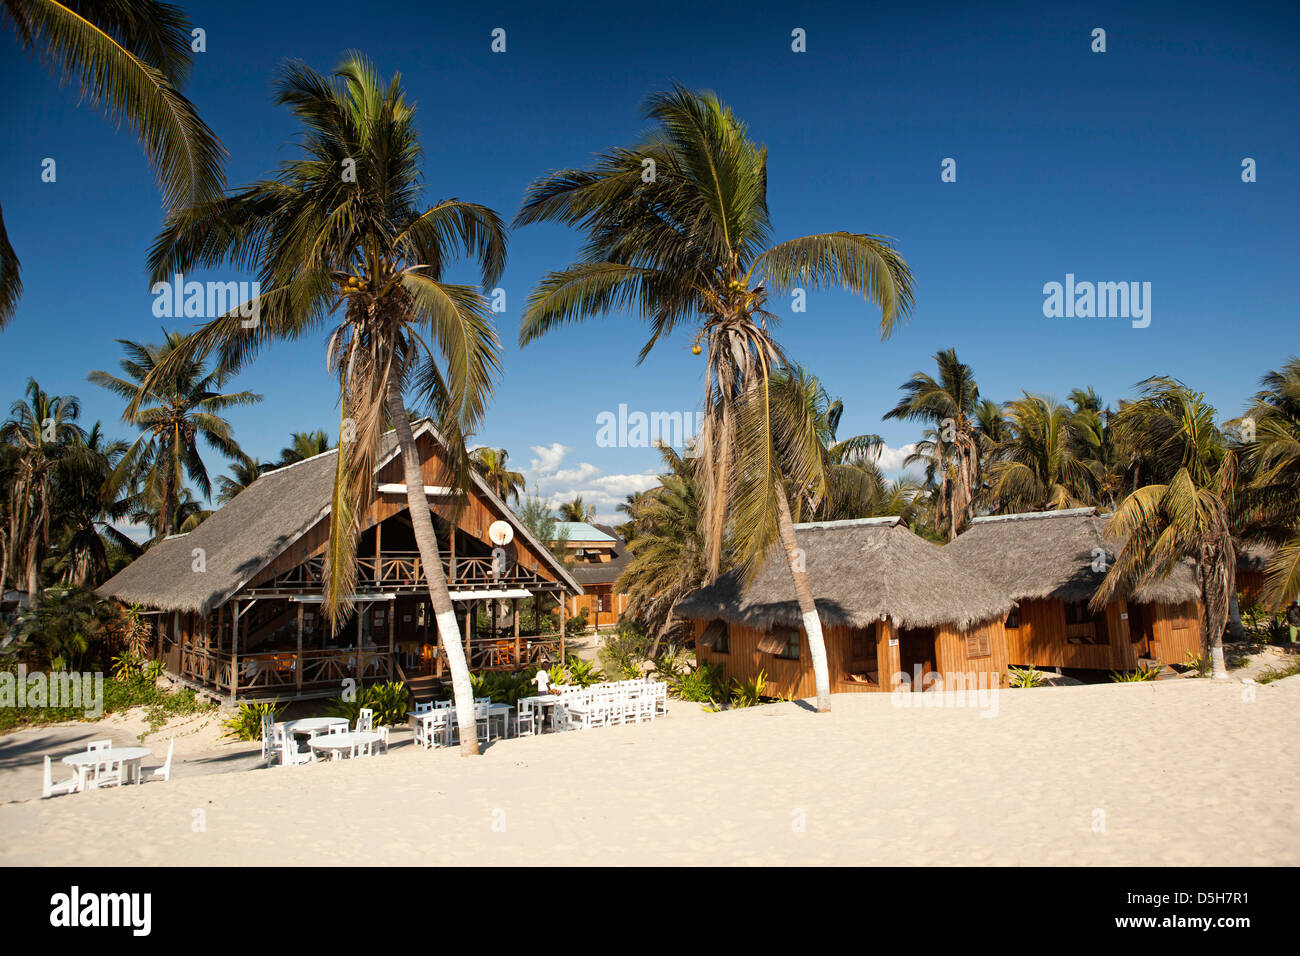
<point x="891" y="459"/>
<point x="557" y="484"/>
<point x="548" y="458"/>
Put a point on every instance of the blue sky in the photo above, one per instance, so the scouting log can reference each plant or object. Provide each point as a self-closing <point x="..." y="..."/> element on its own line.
<point x="1115" y="166"/>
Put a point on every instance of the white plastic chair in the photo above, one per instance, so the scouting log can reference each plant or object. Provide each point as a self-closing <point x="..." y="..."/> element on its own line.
<point x="269" y="737"/>
<point x="49" y="788"/>
<point x="165" y="771"/>
<point x="341" y="728"/>
<point x="525" y="720"/>
<point x="99" y="745"/>
<point x="365" y="719"/>
<point x="291" y="756"/>
<point x="109" y="773"/>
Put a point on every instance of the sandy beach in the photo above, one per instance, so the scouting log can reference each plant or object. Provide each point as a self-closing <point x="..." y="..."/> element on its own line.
<point x="1166" y="773"/>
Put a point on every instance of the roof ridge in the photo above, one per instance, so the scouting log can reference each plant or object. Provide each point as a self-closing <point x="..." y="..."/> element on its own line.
<point x="891" y="521"/>
<point x="1090" y="511"/>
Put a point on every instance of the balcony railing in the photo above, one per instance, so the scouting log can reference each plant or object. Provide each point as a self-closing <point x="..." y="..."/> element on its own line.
<point x="401" y="571"/>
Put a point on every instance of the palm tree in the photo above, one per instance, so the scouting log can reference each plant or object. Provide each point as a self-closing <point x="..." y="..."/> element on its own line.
<point x="677" y="227"/>
<point x="1187" y="516"/>
<point x="577" y="511"/>
<point x="341" y="228"/>
<point x="88" y="497"/>
<point x="303" y="445"/>
<point x="493" y="465"/>
<point x="173" y="410"/>
<point x="131" y="57"/>
<point x="1040" y="466"/>
<point x="1272" y="460"/>
<point x="668" y="550"/>
<point x="183" y="515"/>
<point x="243" y="472"/>
<point x="41" y="429"/>
<point x="948" y="404"/>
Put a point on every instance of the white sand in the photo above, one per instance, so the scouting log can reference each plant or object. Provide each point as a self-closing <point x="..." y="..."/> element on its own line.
<point x="1184" y="772"/>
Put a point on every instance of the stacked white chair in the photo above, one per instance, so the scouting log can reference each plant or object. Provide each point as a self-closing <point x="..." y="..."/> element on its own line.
<point x="50" y="788"/>
<point x="366" y="719"/>
<point x="165" y="771"/>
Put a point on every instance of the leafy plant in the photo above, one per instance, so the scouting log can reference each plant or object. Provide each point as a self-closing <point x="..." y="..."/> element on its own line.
<point x="626" y="650"/>
<point x="1137" y="676"/>
<point x="575" y="672"/>
<point x="748" y="693"/>
<point x="1026" y="677"/>
<point x="246" y="722"/>
<point x="503" y="687"/>
<point x="701" y="684"/>
<point x="389" y="701"/>
<point x="1199" y="663"/>
<point x="1270" y="674"/>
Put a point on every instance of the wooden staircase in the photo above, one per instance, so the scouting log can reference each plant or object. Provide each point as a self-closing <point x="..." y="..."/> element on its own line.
<point x="422" y="688"/>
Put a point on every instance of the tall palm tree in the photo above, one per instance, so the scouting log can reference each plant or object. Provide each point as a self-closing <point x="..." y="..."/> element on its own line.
<point x="1187" y="516"/>
<point x="577" y="510"/>
<point x="948" y="404"/>
<point x="41" y="429"/>
<point x="88" y="497"/>
<point x="677" y="228"/>
<point x="173" y="410"/>
<point x="131" y="57"/>
<point x="668" y="550"/>
<point x="1040" y="466"/>
<point x="303" y="445"/>
<point x="1273" y="466"/>
<point x="493" y="465"/>
<point x="339" y="239"/>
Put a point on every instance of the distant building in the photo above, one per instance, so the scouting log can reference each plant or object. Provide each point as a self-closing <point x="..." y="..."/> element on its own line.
<point x="597" y="556"/>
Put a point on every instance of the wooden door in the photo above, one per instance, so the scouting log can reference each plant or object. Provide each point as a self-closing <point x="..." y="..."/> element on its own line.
<point x="916" y="654"/>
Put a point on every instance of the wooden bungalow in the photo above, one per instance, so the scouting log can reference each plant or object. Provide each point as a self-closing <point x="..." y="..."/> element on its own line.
<point x="1051" y="563"/>
<point x="237" y="601"/>
<point x="1252" y="568"/>
<point x="598" y="556"/>
<point x="890" y="603"/>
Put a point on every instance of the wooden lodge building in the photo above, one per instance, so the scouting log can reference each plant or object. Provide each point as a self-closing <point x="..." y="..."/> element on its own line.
<point x="888" y="600"/>
<point x="597" y="557"/>
<point x="238" y="600"/>
<point x="1010" y="591"/>
<point x="1051" y="563"/>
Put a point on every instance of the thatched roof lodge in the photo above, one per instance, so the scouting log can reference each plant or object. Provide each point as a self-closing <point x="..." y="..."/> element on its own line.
<point x="237" y="601"/>
<point x="888" y="600"/>
<point x="1051" y="563"/>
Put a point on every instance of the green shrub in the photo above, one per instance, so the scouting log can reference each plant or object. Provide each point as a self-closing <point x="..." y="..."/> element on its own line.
<point x="748" y="693"/>
<point x="701" y="684"/>
<point x="246" y="722"/>
<point x="1026" y="677"/>
<point x="575" y="672"/>
<point x="1135" y="677"/>
<point x="390" y="702"/>
<point x="626" y="650"/>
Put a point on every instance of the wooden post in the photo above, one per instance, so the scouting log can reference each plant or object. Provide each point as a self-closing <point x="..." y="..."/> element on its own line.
<point x="234" y="653"/>
<point x="297" y="671"/>
<point x="514" y="614"/>
<point x="391" y="617"/>
<point x="363" y="614"/>
<point x="469" y="624"/>
<point x="221" y="625"/>
<point x="563" y="608"/>
<point x="451" y="551"/>
<point x="888" y="658"/>
<point x="379" y="556"/>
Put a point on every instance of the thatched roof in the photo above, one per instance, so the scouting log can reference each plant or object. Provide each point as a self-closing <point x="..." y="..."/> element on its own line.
<point x="1255" y="557"/>
<point x="255" y="527"/>
<point x="861" y="571"/>
<point x="1051" y="554"/>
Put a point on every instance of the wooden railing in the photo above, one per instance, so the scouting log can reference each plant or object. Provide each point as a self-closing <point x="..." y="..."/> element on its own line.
<point x="400" y="570"/>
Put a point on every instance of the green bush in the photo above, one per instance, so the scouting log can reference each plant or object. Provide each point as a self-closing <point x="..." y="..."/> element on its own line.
<point x="626" y="650"/>
<point x="575" y="672"/>
<point x="246" y="722"/>
<point x="1135" y="677"/>
<point x="701" y="684"/>
<point x="390" y="702"/>
<point x="1026" y="677"/>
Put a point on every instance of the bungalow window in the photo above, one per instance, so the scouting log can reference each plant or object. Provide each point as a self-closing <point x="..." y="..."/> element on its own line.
<point x="1013" y="619"/>
<point x="604" y="603"/>
<point x="714" y="637"/>
<point x="1082" y="626"/>
<point x="790" y="650"/>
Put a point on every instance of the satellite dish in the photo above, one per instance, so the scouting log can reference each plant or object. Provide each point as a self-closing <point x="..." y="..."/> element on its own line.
<point x="501" y="533"/>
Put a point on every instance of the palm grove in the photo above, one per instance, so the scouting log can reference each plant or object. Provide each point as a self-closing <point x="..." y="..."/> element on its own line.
<point x="677" y="233"/>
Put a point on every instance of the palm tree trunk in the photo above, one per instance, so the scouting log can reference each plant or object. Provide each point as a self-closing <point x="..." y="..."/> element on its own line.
<point x="812" y="624"/>
<point x="1216" y="583"/>
<point x="427" y="544"/>
<point x="1234" y="618"/>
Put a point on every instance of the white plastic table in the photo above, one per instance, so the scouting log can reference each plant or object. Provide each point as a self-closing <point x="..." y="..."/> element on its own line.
<point x="313" y="725"/>
<point x="130" y="757"/>
<point x="335" y="744"/>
